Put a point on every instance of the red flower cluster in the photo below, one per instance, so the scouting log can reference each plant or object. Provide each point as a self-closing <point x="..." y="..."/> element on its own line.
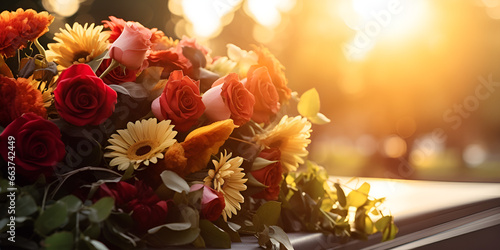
<point x="147" y="209"/>
<point x="19" y="27"/>
<point x="18" y="96"/>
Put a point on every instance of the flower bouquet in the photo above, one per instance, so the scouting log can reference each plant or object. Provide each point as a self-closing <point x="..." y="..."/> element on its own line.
<point x="118" y="136"/>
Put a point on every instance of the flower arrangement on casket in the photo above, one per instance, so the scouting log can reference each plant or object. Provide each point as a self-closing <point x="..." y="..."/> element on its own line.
<point x="118" y="136"/>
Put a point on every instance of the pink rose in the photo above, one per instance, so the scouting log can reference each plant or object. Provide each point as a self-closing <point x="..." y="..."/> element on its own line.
<point x="180" y="102"/>
<point x="260" y="84"/>
<point x="228" y="98"/>
<point x="212" y="202"/>
<point x="131" y="48"/>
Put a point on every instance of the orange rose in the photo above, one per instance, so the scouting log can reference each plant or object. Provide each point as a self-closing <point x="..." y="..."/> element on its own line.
<point x="260" y="84"/>
<point x="276" y="71"/>
<point x="228" y="98"/>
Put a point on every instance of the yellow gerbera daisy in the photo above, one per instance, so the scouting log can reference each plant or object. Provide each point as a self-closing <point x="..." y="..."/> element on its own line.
<point x="77" y="44"/>
<point x="227" y="178"/>
<point x="291" y="136"/>
<point x="142" y="142"/>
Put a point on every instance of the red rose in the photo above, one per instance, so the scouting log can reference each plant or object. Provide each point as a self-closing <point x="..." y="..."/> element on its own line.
<point x="131" y="48"/>
<point x="82" y="98"/>
<point x="212" y="202"/>
<point x="33" y="144"/>
<point x="260" y="84"/>
<point x="180" y="102"/>
<point x="228" y="98"/>
<point x="117" y="75"/>
<point x="147" y="209"/>
<point x="271" y="175"/>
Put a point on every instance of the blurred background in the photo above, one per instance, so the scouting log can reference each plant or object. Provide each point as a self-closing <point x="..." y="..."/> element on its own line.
<point x="412" y="86"/>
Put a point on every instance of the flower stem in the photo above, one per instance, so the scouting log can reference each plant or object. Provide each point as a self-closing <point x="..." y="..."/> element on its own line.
<point x="111" y="66"/>
<point x="39" y="47"/>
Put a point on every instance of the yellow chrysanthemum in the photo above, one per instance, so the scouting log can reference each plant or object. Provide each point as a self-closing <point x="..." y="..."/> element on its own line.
<point x="142" y="142"/>
<point x="77" y="44"/>
<point x="291" y="136"/>
<point x="227" y="178"/>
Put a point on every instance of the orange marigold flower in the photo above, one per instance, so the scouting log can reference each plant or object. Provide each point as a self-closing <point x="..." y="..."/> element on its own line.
<point x="18" y="96"/>
<point x="19" y="27"/>
<point x="276" y="70"/>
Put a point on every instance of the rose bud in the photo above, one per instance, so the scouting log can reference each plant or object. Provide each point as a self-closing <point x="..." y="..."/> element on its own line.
<point x="131" y="48"/>
<point x="180" y="102"/>
<point x="271" y="175"/>
<point x="228" y="98"/>
<point x="82" y="98"/>
<point x="212" y="202"/>
<point x="33" y="144"/>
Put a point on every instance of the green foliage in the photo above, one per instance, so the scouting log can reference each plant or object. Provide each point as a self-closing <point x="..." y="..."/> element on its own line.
<point x="53" y="217"/>
<point x="174" y="182"/>
<point x="274" y="237"/>
<point x="60" y="240"/>
<point x="310" y="204"/>
<point x="267" y="215"/>
<point x="101" y="209"/>
<point x="214" y="236"/>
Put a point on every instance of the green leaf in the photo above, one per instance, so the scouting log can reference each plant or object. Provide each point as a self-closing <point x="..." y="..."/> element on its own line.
<point x="167" y="237"/>
<point x="98" y="245"/>
<point x="101" y="209"/>
<point x="129" y="173"/>
<point x="4" y="185"/>
<point x="60" y="240"/>
<point x="260" y="163"/>
<point x="213" y="235"/>
<point x="230" y="228"/>
<point x="309" y="103"/>
<point x="390" y="232"/>
<point x="319" y="119"/>
<point x="96" y="62"/>
<point x="358" y="197"/>
<point x="53" y="217"/>
<point x="272" y="237"/>
<point x="93" y="231"/>
<point x="25" y="206"/>
<point x="383" y="223"/>
<point x="172" y="226"/>
<point x="174" y="182"/>
<point x="252" y="182"/>
<point x="72" y="203"/>
<point x="309" y="106"/>
<point x="267" y="214"/>
<point x="340" y="195"/>
<point x="387" y="227"/>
